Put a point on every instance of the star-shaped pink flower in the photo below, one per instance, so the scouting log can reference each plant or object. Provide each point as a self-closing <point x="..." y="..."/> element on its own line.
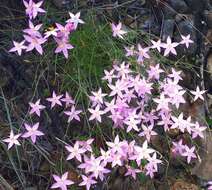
<point x="35" y="43"/>
<point x="132" y="121"/>
<point x="156" y="45"/>
<point x="36" y="107"/>
<point x="147" y="132"/>
<point x="178" y="147"/>
<point x="110" y="106"/>
<point x="150" y="170"/>
<point x="75" y="152"/>
<point x="97" y="97"/>
<point x="117" y="31"/>
<point x="154" y="161"/>
<point x="96" y="113"/>
<point x="142" y="54"/>
<point x="197" y="130"/>
<point x="33" y="30"/>
<point x="63" y="46"/>
<point x="12" y="140"/>
<point x="87" y="181"/>
<point x="179" y="122"/>
<point x="198" y="93"/>
<point x="130" y="51"/>
<point x="73" y="114"/>
<point x="163" y="102"/>
<point x="86" y="144"/>
<point x="55" y="100"/>
<point x="75" y="19"/>
<point x="169" y="47"/>
<point x="97" y="168"/>
<point x="186" y="40"/>
<point x="61" y="182"/>
<point x="175" y="75"/>
<point x="132" y="172"/>
<point x="142" y="152"/>
<point x="116" y="146"/>
<point x="32" y="8"/>
<point x="32" y="132"/>
<point x="154" y="72"/>
<point x="18" y="47"/>
<point x="109" y="75"/>
<point x="189" y="153"/>
<point x="68" y="100"/>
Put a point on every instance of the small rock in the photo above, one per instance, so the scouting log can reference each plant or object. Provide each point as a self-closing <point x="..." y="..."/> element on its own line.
<point x="61" y="3"/>
<point x="208" y="18"/>
<point x="179" y="6"/>
<point x="183" y="185"/>
<point x="167" y="28"/>
<point x="204" y="169"/>
<point x="196" y="5"/>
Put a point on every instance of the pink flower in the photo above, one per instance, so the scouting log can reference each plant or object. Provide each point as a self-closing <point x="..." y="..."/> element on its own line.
<point x="61" y="182"/>
<point x="105" y="156"/>
<point x="154" y="161"/>
<point x="33" y="30"/>
<point x="179" y="122"/>
<point x="116" y="160"/>
<point x="130" y="51"/>
<point x="35" y="43"/>
<point x="197" y="130"/>
<point x="154" y="72"/>
<point x="110" y="106"/>
<point x="178" y="147"/>
<point x="117" y="31"/>
<point x="73" y="114"/>
<point x="150" y="170"/>
<point x="198" y="93"/>
<point x="86" y="144"/>
<point x="36" y="107"/>
<point x="132" y="121"/>
<point x="175" y="75"/>
<point x="109" y="75"/>
<point x="163" y="102"/>
<point x="142" y="153"/>
<point x="18" y="47"/>
<point x="32" y="132"/>
<point x="87" y="181"/>
<point x="97" y="168"/>
<point x="32" y="9"/>
<point x="116" y="146"/>
<point x="97" y="97"/>
<point x="132" y="172"/>
<point x="142" y="53"/>
<point x="75" y="152"/>
<point x="55" y="100"/>
<point x="165" y="121"/>
<point x="96" y="113"/>
<point x="186" y="40"/>
<point x="169" y="47"/>
<point x="68" y="100"/>
<point x="63" y="46"/>
<point x="12" y="140"/>
<point x="156" y="45"/>
<point x="147" y="132"/>
<point x="189" y="153"/>
<point x="75" y="19"/>
<point x="62" y="32"/>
